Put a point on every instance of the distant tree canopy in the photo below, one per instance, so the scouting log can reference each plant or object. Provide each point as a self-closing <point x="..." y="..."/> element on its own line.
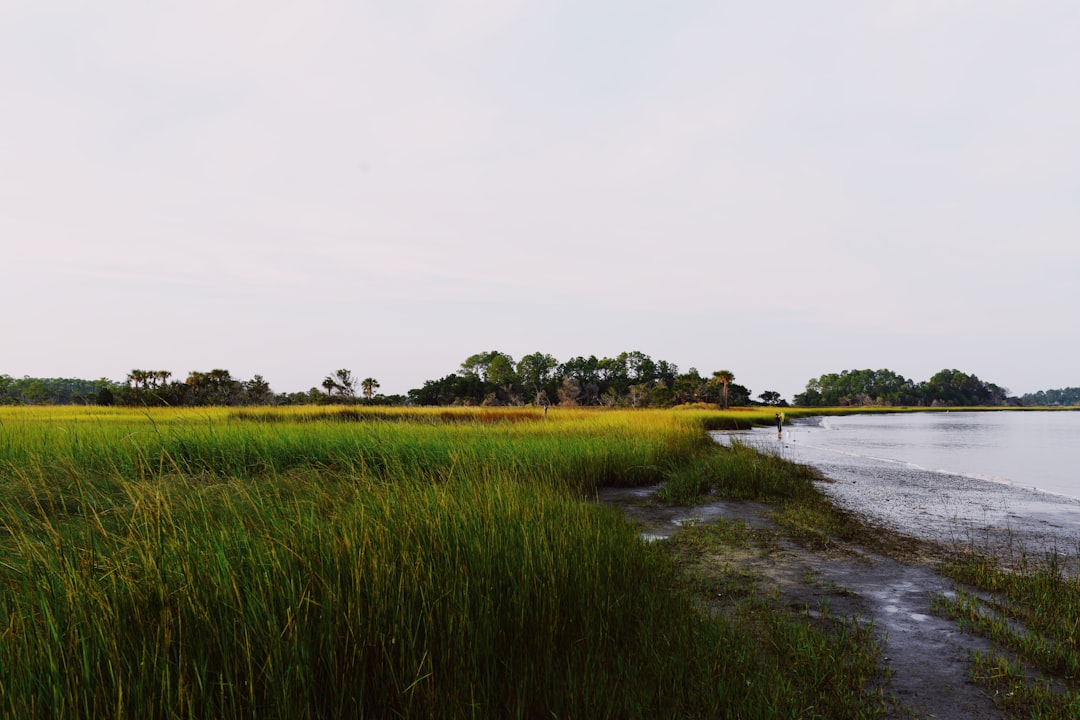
<point x="213" y="387"/>
<point x="1063" y="396"/>
<point x="57" y="391"/>
<point x="630" y="379"/>
<point x="884" y="387"/>
<point x="158" y="388"/>
<point x="219" y="387"/>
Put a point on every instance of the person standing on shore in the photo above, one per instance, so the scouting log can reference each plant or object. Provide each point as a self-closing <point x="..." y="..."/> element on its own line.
<point x="779" y="426"/>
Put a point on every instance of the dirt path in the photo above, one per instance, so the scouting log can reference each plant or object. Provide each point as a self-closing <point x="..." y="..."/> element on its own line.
<point x="925" y="654"/>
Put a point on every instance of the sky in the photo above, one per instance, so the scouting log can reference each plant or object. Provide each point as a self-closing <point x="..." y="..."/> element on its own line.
<point x="781" y="189"/>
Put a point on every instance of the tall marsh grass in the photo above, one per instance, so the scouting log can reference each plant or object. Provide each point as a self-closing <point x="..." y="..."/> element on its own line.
<point x="304" y="563"/>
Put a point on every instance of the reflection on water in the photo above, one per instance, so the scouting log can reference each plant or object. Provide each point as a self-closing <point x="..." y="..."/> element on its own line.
<point x="1023" y="448"/>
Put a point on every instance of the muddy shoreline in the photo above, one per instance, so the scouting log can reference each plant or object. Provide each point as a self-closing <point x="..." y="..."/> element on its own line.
<point x="926" y="656"/>
<point x="948" y="510"/>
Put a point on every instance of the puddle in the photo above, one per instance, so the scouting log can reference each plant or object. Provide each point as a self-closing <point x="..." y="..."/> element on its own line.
<point x="659" y="522"/>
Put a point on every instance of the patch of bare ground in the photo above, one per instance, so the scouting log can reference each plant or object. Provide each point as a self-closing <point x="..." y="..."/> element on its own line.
<point x="880" y="577"/>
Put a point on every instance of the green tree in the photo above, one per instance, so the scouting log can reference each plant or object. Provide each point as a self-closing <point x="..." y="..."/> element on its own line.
<point x="614" y="378"/>
<point x="1058" y="396"/>
<point x="487" y="377"/>
<point x="257" y="391"/>
<point x="37" y="392"/>
<point x="137" y="379"/>
<point x="137" y="390"/>
<point x="341" y="385"/>
<point x="222" y="389"/>
<point x="346" y="382"/>
<point x="103" y="391"/>
<point x="580" y="381"/>
<point x="477" y="365"/>
<point x="661" y="395"/>
<point x="725" y="378"/>
<point x="770" y="397"/>
<point x="197" y="383"/>
<point x="536" y="374"/>
<point x="369" y="385"/>
<point x="157" y="379"/>
<point x="690" y="387"/>
<point x="7" y="390"/>
<point x="884" y="387"/>
<point x="640" y="368"/>
<point x="502" y="375"/>
<point x="952" y="387"/>
<point x="492" y="376"/>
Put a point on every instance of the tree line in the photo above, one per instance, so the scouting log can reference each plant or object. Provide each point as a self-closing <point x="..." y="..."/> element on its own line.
<point x="885" y="387"/>
<point x="159" y="388"/>
<point x="1051" y="398"/>
<point x="219" y="387"/>
<point x="56" y="391"/>
<point x="630" y="379"/>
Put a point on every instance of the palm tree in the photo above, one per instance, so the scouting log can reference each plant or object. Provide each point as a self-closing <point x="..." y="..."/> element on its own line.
<point x="724" y="377"/>
<point x="137" y="378"/>
<point x="197" y="381"/>
<point x="369" y="386"/>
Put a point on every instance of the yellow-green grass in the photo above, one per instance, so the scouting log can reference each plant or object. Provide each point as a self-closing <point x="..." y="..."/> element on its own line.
<point x="319" y="562"/>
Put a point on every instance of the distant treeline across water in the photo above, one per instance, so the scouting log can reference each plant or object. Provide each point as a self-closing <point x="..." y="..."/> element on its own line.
<point x="631" y="379"/>
<point x="948" y="388"/>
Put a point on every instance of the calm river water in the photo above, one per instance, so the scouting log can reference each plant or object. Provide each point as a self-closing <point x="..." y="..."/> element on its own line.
<point x="1027" y="449"/>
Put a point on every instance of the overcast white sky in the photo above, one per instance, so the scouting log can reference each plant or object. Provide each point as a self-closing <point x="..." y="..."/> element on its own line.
<point x="781" y="189"/>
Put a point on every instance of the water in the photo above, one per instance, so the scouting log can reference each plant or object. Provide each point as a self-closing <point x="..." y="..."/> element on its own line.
<point x="1037" y="450"/>
<point x="995" y="477"/>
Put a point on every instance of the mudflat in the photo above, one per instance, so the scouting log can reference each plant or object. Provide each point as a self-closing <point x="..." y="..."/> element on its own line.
<point x="958" y="511"/>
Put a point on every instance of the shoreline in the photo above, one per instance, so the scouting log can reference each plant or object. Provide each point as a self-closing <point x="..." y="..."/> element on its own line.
<point x="949" y="509"/>
<point x="895" y="563"/>
<point x="958" y="511"/>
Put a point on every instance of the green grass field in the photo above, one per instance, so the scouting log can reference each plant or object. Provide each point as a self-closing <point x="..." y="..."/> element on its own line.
<point x="323" y="562"/>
